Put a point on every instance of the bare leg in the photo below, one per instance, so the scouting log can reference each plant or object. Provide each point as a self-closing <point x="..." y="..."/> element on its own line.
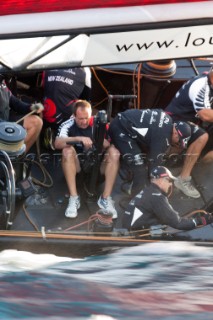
<point x="71" y="167"/>
<point x="193" y="152"/>
<point x="208" y="157"/>
<point x="33" y="125"/>
<point x="109" y="167"/>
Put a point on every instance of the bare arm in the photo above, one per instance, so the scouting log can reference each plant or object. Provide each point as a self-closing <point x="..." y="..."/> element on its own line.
<point x="205" y="115"/>
<point x="106" y="144"/>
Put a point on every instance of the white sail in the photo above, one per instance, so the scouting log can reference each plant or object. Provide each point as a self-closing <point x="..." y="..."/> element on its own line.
<point x="46" y="34"/>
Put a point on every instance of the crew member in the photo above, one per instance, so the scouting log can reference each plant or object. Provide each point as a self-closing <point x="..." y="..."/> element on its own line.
<point x="151" y="206"/>
<point x="193" y="102"/>
<point x="62" y="87"/>
<point x="152" y="132"/>
<point x="11" y="109"/>
<point x="80" y="128"/>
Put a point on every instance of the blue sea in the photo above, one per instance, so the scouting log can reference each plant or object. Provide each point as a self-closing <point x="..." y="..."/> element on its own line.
<point x="162" y="280"/>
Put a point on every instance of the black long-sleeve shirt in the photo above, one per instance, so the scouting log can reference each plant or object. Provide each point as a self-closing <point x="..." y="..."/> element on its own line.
<point x="151" y="207"/>
<point x="9" y="102"/>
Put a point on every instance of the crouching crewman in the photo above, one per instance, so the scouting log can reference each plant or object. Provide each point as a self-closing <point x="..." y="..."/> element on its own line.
<point x="151" y="206"/>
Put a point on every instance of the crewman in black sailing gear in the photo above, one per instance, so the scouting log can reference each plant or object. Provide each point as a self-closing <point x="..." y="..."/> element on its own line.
<point x="194" y="103"/>
<point x="151" y="207"/>
<point x="149" y="133"/>
<point x="62" y="87"/>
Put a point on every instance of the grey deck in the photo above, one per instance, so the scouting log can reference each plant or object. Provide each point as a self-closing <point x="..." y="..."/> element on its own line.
<point x="46" y="209"/>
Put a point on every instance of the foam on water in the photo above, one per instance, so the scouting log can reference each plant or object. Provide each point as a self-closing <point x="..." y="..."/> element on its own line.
<point x="164" y="281"/>
<point x="14" y="260"/>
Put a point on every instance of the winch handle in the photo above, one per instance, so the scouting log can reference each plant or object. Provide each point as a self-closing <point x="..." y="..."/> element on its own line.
<point x="26" y="115"/>
<point x="75" y="143"/>
<point x="35" y="107"/>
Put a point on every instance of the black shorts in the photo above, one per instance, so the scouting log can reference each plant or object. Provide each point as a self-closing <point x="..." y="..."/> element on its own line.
<point x="196" y="132"/>
<point x="121" y="140"/>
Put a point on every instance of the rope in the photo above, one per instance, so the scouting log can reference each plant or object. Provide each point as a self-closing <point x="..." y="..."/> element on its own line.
<point x="130" y="73"/>
<point x="144" y="235"/>
<point x="45" y="173"/>
<point x="100" y="102"/>
<point x="133" y="233"/>
<point x="26" y="115"/>
<point x="29" y="219"/>
<point x="135" y="74"/>
<point x="194" y="67"/>
<point x="188" y="215"/>
<point x="12" y="147"/>
<point x="39" y="164"/>
<point x="115" y="72"/>
<point x="99" y="81"/>
<point x="104" y="220"/>
<point x="43" y="169"/>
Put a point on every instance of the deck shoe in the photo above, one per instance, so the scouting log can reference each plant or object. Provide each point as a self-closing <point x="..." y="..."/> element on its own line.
<point x="186" y="187"/>
<point x="108" y="205"/>
<point x="73" y="206"/>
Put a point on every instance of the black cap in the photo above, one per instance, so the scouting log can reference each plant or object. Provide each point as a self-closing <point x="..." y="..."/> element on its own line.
<point x="184" y="132"/>
<point x="161" y="172"/>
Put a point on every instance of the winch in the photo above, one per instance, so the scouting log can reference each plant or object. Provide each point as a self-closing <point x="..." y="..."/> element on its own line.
<point x="12" y="137"/>
<point x="12" y="151"/>
<point x="103" y="221"/>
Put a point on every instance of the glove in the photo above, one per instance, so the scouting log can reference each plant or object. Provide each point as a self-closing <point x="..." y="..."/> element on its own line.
<point x="203" y="220"/>
<point x="37" y="107"/>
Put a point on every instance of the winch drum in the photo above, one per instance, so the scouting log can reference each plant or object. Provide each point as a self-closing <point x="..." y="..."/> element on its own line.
<point x="12" y="137"/>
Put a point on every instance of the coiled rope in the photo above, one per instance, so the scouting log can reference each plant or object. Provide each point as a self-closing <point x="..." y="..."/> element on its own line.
<point x="105" y="220"/>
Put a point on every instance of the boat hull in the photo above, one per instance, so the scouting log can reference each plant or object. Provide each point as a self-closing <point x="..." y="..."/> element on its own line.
<point x="79" y="246"/>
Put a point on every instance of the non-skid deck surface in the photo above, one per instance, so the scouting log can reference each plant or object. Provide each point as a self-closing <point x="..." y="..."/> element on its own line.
<point x="46" y="209"/>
